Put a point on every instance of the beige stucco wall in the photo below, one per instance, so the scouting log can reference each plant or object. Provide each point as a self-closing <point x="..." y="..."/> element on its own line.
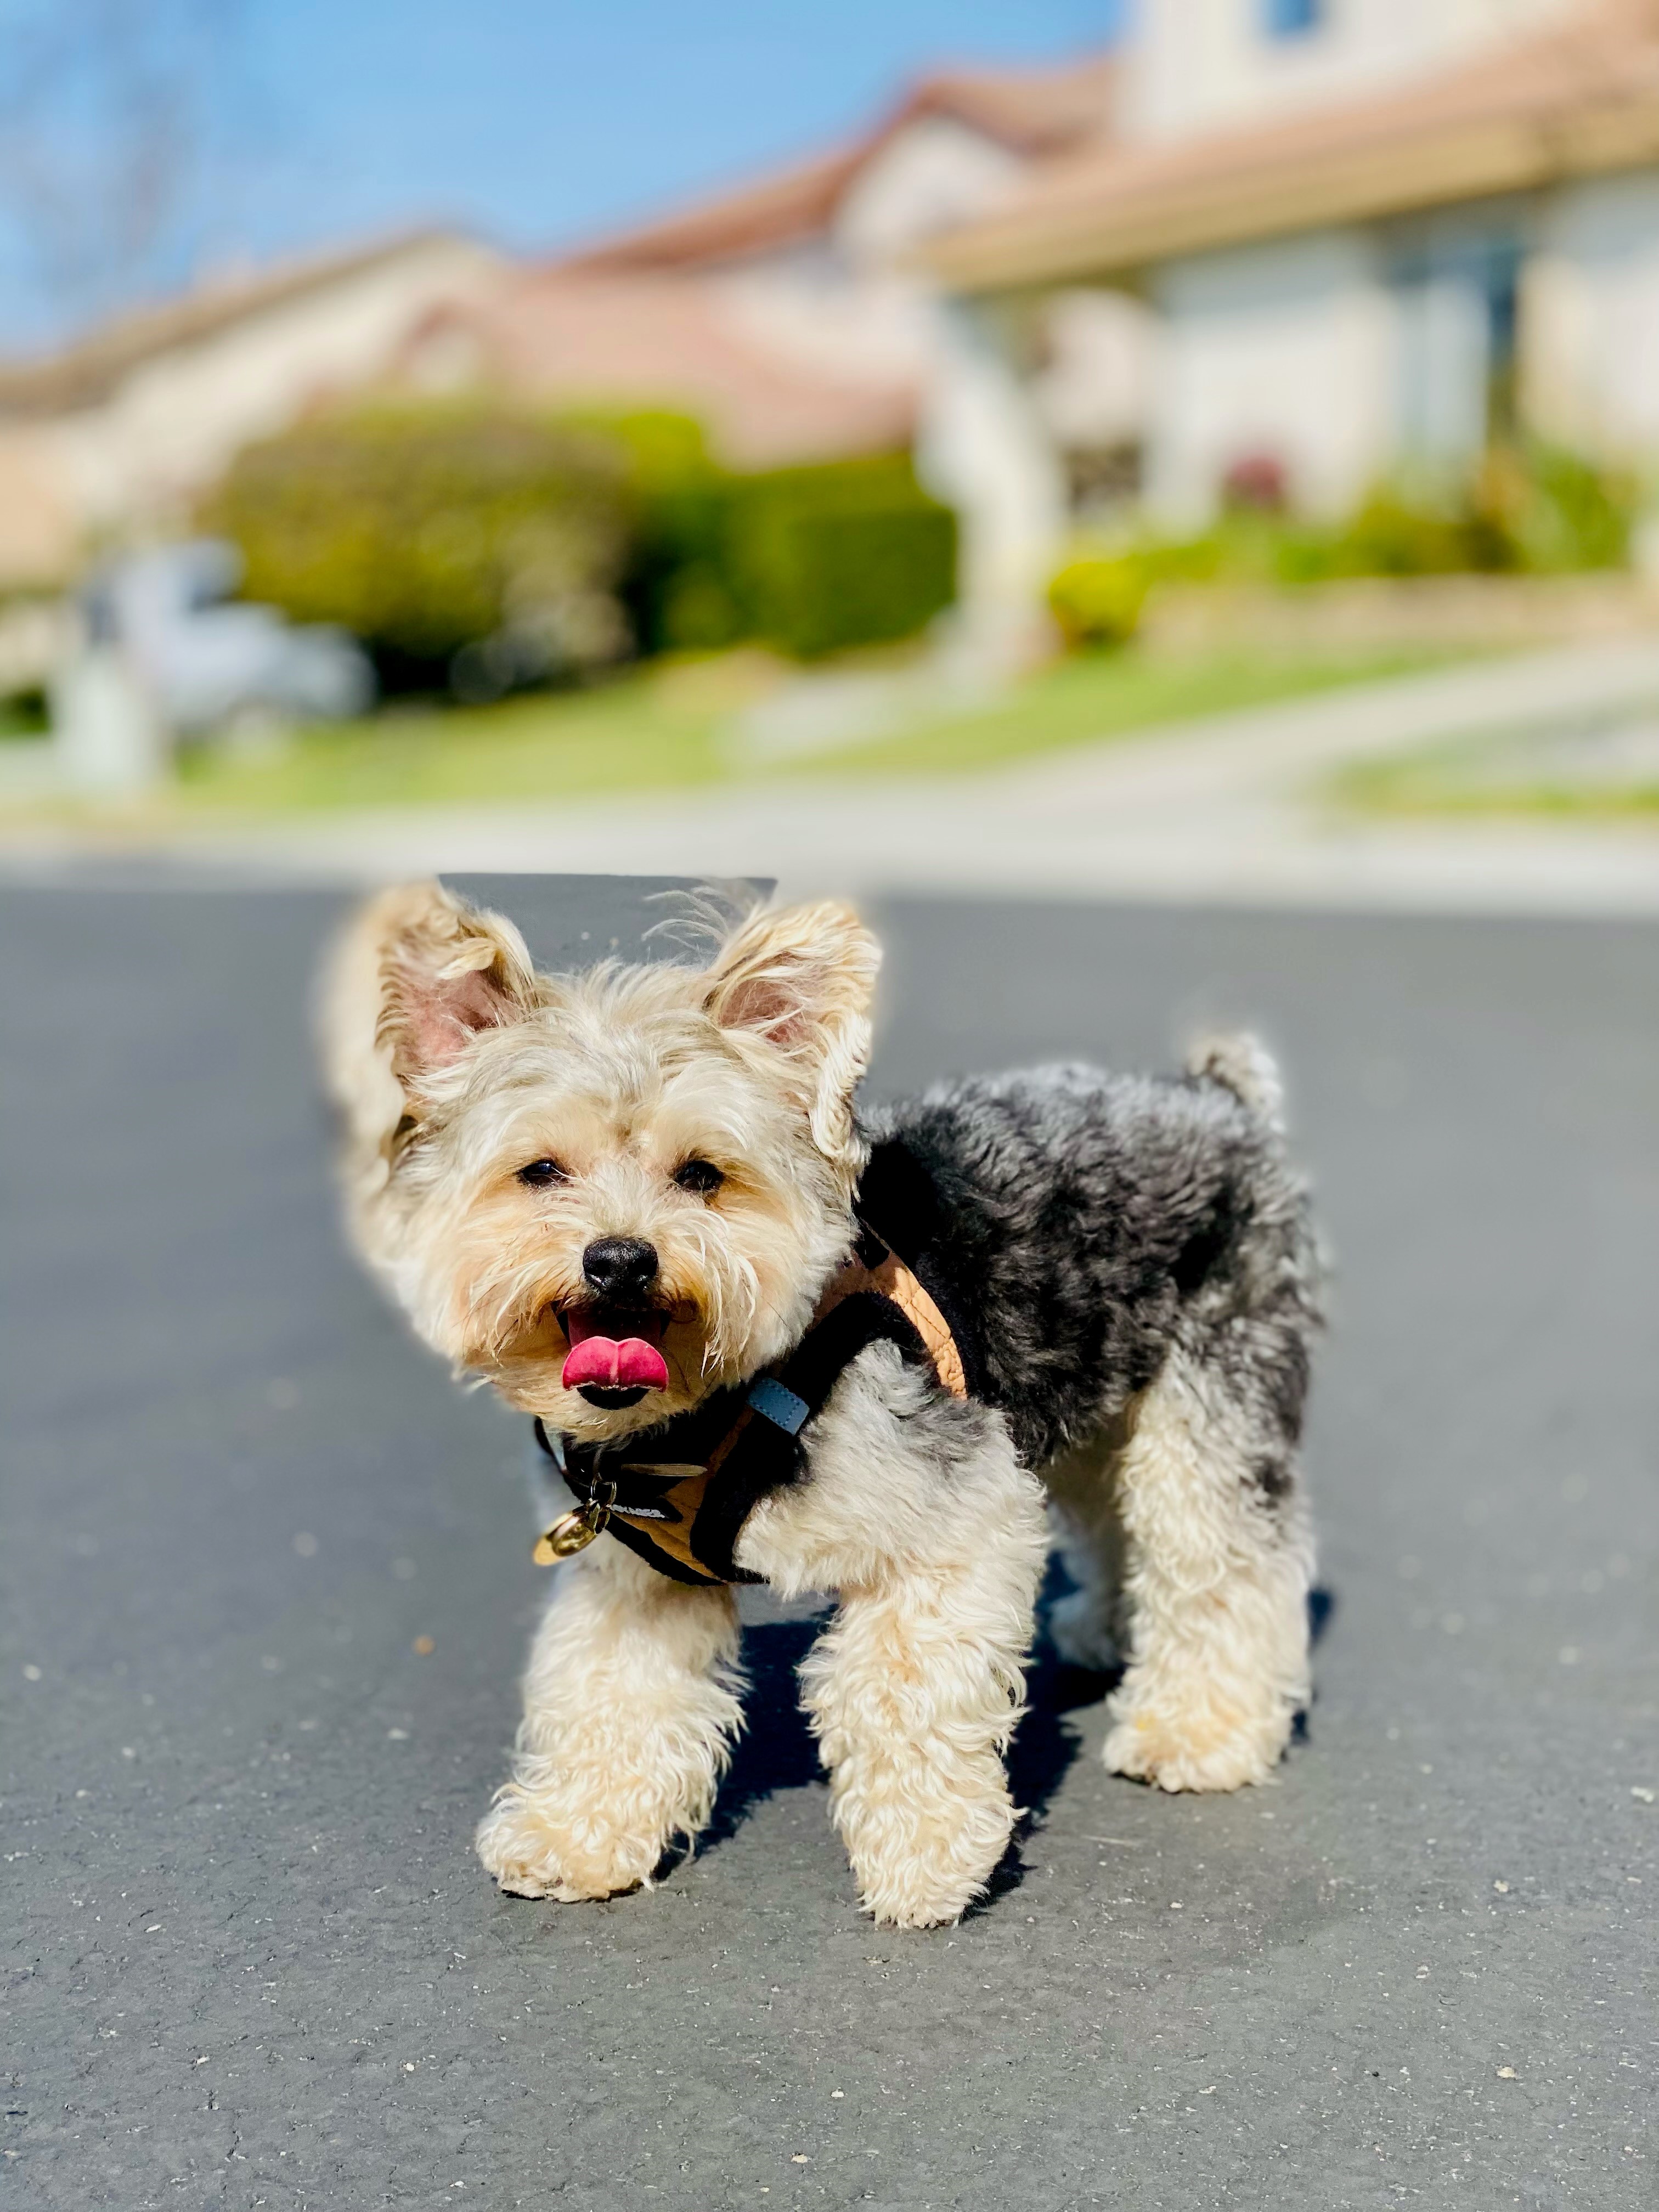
<point x="1591" y="318"/>
<point x="1285" y="349"/>
<point x="1101" y="352"/>
<point x="859" y="304"/>
<point x="1197" y="65"/>
<point x="1311" y="350"/>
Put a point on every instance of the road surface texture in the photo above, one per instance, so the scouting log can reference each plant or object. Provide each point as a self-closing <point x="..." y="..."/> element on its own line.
<point x="267" y="1586"/>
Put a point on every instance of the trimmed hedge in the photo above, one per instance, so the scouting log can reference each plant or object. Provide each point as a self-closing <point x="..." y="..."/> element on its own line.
<point x="813" y="561"/>
<point x="849" y="553"/>
<point x="500" y="546"/>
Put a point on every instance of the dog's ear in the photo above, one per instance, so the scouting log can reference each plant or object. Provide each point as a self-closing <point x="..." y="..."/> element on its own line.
<point x="415" y="977"/>
<point x="448" y="972"/>
<point x="800" y="981"/>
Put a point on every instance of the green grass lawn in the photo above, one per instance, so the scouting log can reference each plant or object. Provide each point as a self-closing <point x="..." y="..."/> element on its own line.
<point x="1094" y="696"/>
<point x="1496" y="778"/>
<point x="1422" y="794"/>
<point x="671" y="727"/>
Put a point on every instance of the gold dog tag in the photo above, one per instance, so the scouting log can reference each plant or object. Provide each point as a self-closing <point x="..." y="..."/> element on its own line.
<point x="570" y="1534"/>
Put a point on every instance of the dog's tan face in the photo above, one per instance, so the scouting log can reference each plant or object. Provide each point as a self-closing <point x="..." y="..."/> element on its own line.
<point x="611" y="1193"/>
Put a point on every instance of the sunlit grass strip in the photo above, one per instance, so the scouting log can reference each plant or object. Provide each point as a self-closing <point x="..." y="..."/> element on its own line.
<point x="1457" y="782"/>
<point x="657" y="730"/>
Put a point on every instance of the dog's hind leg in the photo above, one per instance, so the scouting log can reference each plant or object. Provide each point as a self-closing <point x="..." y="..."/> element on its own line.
<point x="630" y="1710"/>
<point x="1218" y="1567"/>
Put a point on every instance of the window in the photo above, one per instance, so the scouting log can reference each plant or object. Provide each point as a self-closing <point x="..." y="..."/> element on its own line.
<point x="1292" y="19"/>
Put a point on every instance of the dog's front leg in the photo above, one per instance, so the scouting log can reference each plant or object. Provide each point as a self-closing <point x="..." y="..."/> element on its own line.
<point x="630" y="1708"/>
<point x="913" y="1691"/>
<point x="917" y="1514"/>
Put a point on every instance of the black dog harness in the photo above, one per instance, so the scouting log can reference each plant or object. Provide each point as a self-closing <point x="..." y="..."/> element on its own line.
<point x="678" y="1496"/>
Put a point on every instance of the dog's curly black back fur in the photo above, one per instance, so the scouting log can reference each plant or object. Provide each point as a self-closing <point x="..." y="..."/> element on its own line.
<point x="1073" y="1226"/>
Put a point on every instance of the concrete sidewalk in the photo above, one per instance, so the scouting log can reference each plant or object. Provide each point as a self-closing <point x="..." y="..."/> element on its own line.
<point x="1225" y="809"/>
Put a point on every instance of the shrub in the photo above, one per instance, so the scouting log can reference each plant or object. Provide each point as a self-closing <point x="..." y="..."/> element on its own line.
<point x="811" y="560"/>
<point x="1392" y="535"/>
<point x="1528" y="509"/>
<point x="504" y="546"/>
<point x="1554" y="512"/>
<point x="427" y="530"/>
<point x="846" y="553"/>
<point x="1097" y="598"/>
<point x="1257" y="483"/>
<point x="679" y="589"/>
<point x="25" y="714"/>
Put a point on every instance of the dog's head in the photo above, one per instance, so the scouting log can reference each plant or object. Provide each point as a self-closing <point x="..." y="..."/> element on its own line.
<point x="609" y="1193"/>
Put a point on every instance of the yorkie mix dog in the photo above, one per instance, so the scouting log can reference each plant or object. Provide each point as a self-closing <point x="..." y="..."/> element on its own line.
<point x="769" y="1338"/>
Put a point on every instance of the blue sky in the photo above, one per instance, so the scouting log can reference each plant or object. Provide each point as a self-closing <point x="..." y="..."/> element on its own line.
<point x="537" y="121"/>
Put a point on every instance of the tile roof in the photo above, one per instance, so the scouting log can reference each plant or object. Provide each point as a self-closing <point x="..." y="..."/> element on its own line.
<point x="1571" y="100"/>
<point x="1039" y="113"/>
<point x="654" y="340"/>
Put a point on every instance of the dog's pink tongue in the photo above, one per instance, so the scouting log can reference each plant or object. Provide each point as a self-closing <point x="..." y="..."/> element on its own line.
<point x="631" y="1364"/>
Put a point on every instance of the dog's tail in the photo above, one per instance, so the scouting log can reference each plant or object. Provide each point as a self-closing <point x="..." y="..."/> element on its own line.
<point x="1242" y="1064"/>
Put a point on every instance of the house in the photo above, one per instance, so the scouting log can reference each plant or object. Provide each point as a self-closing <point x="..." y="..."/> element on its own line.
<point x="652" y="340"/>
<point x="794" y="315"/>
<point x="114" y="436"/>
<point x="1369" y="233"/>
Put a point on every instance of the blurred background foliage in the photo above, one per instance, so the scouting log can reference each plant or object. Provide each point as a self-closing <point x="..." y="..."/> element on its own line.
<point x="810" y="560"/>
<point x="432" y="533"/>
<point x="1528" y="509"/>
<point x="488" y="548"/>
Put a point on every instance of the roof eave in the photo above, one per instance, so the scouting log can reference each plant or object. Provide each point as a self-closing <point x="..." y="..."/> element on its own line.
<point x="85" y="373"/>
<point x="1461" y="163"/>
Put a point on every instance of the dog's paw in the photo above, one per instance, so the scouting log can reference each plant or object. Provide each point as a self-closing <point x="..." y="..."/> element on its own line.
<point x="923" y="1899"/>
<point x="531" y="1855"/>
<point x="922" y="1864"/>
<point x="919" y="1896"/>
<point x="1196" y="1750"/>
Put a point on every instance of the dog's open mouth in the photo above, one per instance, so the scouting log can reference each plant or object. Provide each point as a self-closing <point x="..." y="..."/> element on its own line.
<point x="613" y="1359"/>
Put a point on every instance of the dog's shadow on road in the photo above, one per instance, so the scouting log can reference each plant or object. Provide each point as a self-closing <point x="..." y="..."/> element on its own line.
<point x="1047" y="1742"/>
<point x="776" y="1750"/>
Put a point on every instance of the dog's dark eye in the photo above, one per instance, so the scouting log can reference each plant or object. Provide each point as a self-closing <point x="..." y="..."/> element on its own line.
<point x="700" y="1176"/>
<point x="540" y="1173"/>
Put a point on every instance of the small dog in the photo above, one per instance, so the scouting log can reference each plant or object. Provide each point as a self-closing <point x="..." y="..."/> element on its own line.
<point x="771" y="1338"/>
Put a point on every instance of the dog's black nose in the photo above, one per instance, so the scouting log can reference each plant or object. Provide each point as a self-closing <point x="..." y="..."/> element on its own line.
<point x="620" y="1266"/>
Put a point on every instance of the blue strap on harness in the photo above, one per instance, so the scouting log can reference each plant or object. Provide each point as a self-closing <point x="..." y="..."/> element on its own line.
<point x="778" y="1404"/>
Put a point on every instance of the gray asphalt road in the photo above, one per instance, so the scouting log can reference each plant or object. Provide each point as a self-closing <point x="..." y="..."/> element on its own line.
<point x="251" y="1961"/>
